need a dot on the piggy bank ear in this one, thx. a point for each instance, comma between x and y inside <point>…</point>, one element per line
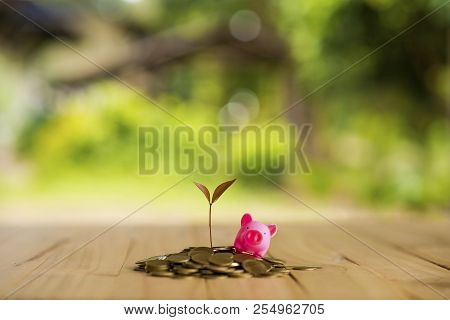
<point>246,218</point>
<point>272,229</point>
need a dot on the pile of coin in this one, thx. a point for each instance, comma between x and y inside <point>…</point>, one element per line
<point>214,263</point>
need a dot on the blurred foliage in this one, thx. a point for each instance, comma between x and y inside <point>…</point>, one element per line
<point>382,128</point>
<point>380,131</point>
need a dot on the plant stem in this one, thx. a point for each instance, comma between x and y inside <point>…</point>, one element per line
<point>210,232</point>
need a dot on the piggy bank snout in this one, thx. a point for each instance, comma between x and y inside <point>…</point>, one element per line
<point>253,237</point>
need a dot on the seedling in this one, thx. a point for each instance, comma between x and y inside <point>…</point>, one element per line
<point>221,188</point>
<point>238,260</point>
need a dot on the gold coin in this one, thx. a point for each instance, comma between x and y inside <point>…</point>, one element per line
<point>221,259</point>
<point>215,263</point>
<point>241,257</point>
<point>271,274</point>
<point>224,249</point>
<point>305,268</point>
<point>238,271</point>
<point>275,261</point>
<point>268,264</point>
<point>280,270</point>
<point>206,272</point>
<point>255,267</point>
<point>156,265</point>
<point>184,271</point>
<point>178,258</point>
<point>192,265</point>
<point>162,274</point>
<point>218,269</point>
<point>201,250</point>
<point>201,258</point>
<point>142,261</point>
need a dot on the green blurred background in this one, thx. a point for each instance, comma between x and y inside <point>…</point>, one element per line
<point>68,129</point>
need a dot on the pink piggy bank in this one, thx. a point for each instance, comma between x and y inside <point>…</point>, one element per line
<point>254,236</point>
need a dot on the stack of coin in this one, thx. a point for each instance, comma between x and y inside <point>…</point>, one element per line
<point>215,263</point>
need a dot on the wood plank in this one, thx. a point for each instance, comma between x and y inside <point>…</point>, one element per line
<point>340,277</point>
<point>398,267</point>
<point>26,254</point>
<point>430,242</point>
<point>103,269</point>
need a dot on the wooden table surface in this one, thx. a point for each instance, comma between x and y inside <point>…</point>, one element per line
<point>404,261</point>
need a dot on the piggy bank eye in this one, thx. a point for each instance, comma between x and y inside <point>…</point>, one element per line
<point>247,228</point>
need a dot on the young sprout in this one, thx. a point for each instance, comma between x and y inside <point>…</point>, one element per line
<point>221,188</point>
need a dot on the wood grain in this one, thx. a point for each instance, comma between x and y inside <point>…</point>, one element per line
<point>394,260</point>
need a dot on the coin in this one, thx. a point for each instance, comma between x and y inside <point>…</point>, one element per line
<point>280,270</point>
<point>201,250</point>
<point>218,269</point>
<point>268,264</point>
<point>206,272</point>
<point>224,249</point>
<point>215,263</point>
<point>142,261</point>
<point>255,267</point>
<point>271,274</point>
<point>192,265</point>
<point>238,271</point>
<point>274,261</point>
<point>305,268</point>
<point>241,257</point>
<point>221,259</point>
<point>156,265</point>
<point>182,270</point>
<point>201,258</point>
<point>178,258</point>
<point>162,274</point>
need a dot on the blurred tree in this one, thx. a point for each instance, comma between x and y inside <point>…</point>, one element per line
<point>381,130</point>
